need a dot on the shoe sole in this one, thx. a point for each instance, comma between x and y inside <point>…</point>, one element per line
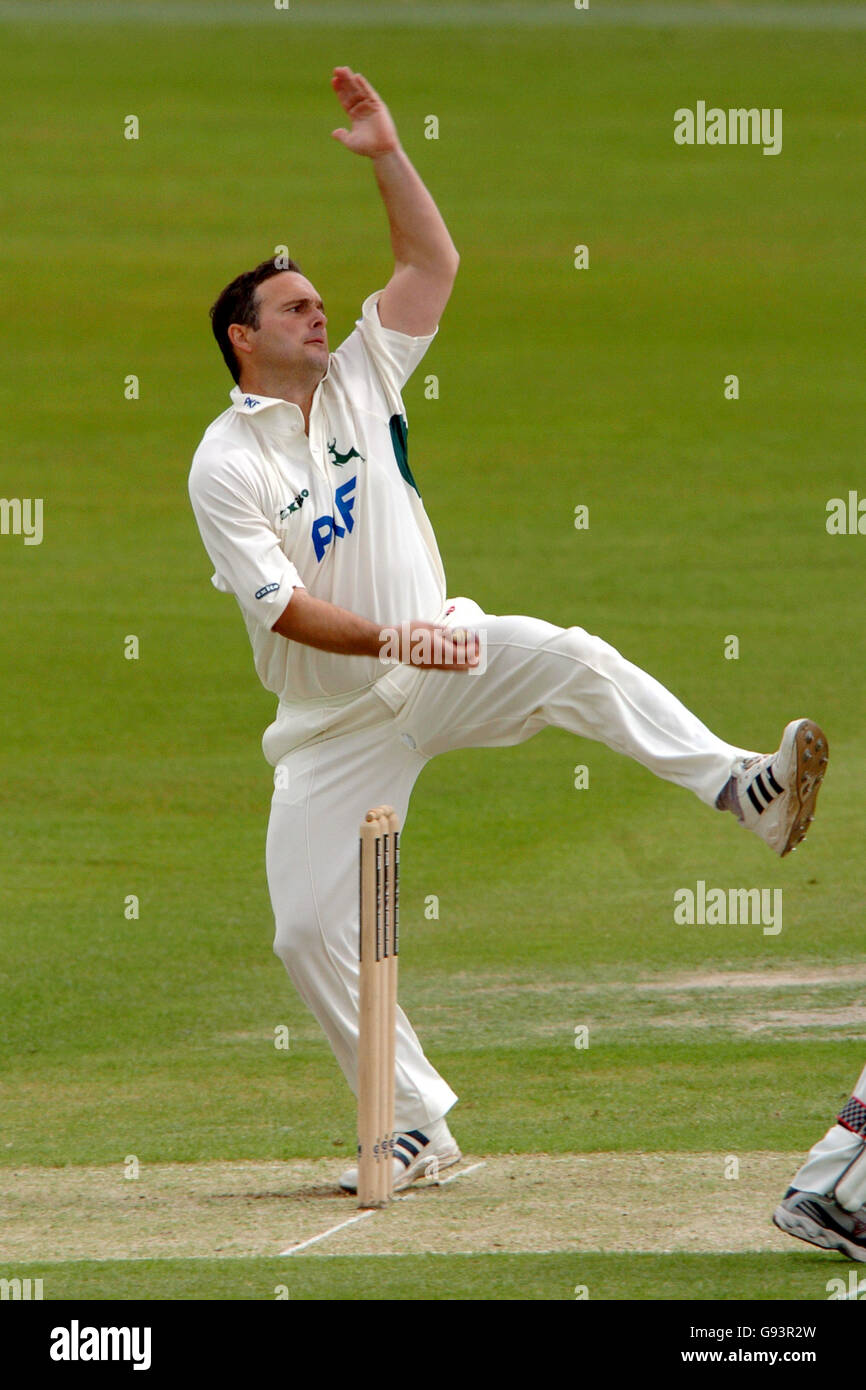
<point>796,1224</point>
<point>810,754</point>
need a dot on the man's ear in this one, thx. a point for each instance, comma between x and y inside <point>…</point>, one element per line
<point>238,334</point>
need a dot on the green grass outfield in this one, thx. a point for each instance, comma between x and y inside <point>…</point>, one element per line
<point>154,1037</point>
<point>589,1277</point>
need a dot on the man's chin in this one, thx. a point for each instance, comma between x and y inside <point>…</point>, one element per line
<point>320,356</point>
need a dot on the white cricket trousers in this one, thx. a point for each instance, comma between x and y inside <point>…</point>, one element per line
<point>371,751</point>
<point>829,1158</point>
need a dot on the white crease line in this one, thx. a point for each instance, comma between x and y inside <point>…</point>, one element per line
<point>463,1172</point>
<point>293,1249</point>
<point>373,1211</point>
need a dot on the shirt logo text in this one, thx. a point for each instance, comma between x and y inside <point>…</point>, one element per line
<point>326,528</point>
<point>294,506</point>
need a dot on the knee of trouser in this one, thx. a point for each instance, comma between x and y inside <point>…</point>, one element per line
<point>538,633</point>
<point>296,938</point>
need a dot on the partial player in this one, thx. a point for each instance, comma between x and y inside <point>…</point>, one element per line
<point>826,1202</point>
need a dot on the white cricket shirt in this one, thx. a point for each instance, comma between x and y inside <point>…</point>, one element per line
<point>336,513</point>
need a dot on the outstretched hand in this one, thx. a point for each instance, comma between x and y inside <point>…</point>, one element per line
<point>373,131</point>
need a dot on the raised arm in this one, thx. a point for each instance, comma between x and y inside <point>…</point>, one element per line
<point>425,258</point>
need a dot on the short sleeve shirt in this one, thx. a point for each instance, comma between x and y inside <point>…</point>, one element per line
<point>337,513</point>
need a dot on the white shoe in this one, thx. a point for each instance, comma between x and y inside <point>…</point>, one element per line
<point>775,795</point>
<point>417,1154</point>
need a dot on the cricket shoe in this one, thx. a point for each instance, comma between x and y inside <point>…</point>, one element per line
<point>417,1154</point>
<point>775,794</point>
<point>821,1221</point>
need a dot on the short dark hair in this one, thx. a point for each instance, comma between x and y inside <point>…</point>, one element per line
<point>238,304</point>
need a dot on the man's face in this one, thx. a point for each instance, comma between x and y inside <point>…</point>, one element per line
<point>292,334</point>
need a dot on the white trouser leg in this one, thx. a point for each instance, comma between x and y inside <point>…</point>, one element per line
<point>827,1161</point>
<point>829,1158</point>
<point>539,675</point>
<point>536,675</point>
<point>312,862</point>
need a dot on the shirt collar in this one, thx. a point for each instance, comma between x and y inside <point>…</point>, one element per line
<point>248,403</point>
<point>251,403</point>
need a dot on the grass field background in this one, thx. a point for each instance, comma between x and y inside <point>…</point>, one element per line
<point>154,1037</point>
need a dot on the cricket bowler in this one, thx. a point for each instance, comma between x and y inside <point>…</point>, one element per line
<point>312,518</point>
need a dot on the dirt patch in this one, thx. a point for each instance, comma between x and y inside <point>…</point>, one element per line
<point>796,977</point>
<point>786,1020</point>
<point>848,1023</point>
<point>615,1202</point>
<point>758,979</point>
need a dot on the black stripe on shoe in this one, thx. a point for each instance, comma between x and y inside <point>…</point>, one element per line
<point>767,795</point>
<point>750,793</point>
<point>761,786</point>
<point>403,1142</point>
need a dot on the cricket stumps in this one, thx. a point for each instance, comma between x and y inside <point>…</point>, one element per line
<point>378,945</point>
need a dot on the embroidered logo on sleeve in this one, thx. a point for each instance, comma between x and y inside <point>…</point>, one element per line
<point>268,589</point>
